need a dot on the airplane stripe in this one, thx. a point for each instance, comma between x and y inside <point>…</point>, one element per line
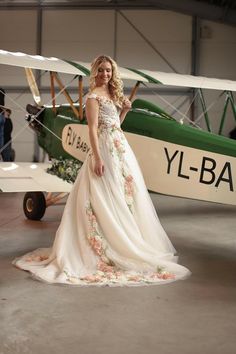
<point>78,66</point>
<point>150,79</point>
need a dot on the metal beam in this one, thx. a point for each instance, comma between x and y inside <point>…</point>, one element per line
<point>115,34</point>
<point>195,59</point>
<point>148,41</point>
<point>201,9</point>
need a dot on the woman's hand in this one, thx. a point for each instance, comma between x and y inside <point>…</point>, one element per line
<point>99,167</point>
<point>126,106</point>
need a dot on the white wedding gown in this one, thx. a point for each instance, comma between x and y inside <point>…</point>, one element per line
<point>110,233</point>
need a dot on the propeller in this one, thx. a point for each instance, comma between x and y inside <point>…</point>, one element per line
<point>33,86</point>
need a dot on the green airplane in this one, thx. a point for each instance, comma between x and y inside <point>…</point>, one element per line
<point>176,159</point>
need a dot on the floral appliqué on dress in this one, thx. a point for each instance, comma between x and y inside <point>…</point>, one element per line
<point>106,269</point>
<point>118,149</point>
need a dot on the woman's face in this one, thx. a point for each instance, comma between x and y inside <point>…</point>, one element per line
<point>104,73</point>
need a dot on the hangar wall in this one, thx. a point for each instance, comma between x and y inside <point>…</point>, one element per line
<point>83,34</point>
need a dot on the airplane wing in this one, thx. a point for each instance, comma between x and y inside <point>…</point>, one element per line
<point>26,177</point>
<point>182,80</point>
<point>38,62</point>
<point>125,73</point>
<point>58,65</point>
<point>83,69</point>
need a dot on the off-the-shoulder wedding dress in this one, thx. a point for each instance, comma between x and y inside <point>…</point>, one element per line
<point>110,233</point>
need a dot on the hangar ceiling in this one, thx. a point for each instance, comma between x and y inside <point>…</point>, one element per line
<point>223,11</point>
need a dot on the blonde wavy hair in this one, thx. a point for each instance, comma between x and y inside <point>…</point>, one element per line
<point>115,84</point>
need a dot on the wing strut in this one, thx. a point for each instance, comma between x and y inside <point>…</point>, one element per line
<point>66,94</point>
<point>53,92</point>
<point>33,85</point>
<point>134,90</point>
<point>80,97</point>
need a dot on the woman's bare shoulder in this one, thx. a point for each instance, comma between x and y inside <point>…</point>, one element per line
<point>92,98</point>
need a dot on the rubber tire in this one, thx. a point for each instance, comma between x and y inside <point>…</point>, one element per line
<point>34,205</point>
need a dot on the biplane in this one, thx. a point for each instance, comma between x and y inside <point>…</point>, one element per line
<point>177,159</point>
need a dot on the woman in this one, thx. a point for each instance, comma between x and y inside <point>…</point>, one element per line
<point>109,233</point>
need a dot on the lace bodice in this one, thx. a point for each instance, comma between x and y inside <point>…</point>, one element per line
<point>108,116</point>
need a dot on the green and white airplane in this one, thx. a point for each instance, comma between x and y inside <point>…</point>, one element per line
<point>176,159</point>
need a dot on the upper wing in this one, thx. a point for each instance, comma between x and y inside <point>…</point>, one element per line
<point>38,62</point>
<point>58,65</point>
<point>182,80</point>
<point>125,73</point>
<point>26,177</point>
<point>83,69</point>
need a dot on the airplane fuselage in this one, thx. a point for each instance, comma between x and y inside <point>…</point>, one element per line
<point>176,159</point>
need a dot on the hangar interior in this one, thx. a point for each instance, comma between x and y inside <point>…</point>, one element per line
<point>189,317</point>
<point>196,38</point>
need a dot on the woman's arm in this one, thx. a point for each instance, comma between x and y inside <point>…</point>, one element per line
<point>92,109</point>
<point>125,109</point>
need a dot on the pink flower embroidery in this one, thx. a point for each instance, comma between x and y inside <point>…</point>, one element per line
<point>117,143</point>
<point>118,147</point>
<point>95,238</point>
<point>96,244</point>
<point>103,267</point>
<point>129,185</point>
<point>134,277</point>
<point>36,258</point>
<point>106,271</point>
<point>128,188</point>
<point>129,179</point>
<point>164,276</point>
<point>93,278</point>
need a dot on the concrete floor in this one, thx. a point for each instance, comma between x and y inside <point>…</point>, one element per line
<point>197,315</point>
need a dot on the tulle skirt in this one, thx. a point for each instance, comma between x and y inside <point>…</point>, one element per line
<point>110,233</point>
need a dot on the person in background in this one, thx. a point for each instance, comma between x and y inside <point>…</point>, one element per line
<point>2,121</point>
<point>7,152</point>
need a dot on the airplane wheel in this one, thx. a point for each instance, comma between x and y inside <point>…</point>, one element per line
<point>34,205</point>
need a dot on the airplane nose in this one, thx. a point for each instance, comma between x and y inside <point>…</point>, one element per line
<point>34,117</point>
<point>32,109</point>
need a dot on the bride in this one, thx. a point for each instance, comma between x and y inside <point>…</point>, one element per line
<point>110,233</point>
